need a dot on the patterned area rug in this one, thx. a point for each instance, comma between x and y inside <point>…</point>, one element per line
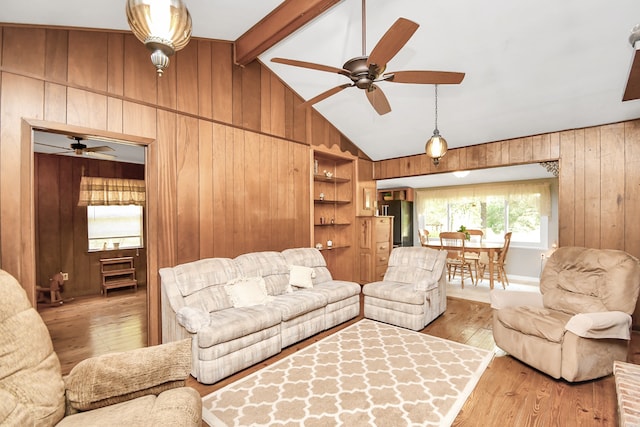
<point>368,374</point>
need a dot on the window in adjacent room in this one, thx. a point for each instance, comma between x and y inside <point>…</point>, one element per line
<point>113,227</point>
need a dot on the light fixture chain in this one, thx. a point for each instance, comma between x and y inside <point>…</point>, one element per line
<point>436,90</point>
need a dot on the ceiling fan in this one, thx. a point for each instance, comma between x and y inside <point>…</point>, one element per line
<point>365,71</point>
<point>79,148</point>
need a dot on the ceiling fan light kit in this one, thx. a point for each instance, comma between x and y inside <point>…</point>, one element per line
<point>164,26</point>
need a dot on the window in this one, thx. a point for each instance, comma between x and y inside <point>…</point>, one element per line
<point>112,227</point>
<point>522,208</point>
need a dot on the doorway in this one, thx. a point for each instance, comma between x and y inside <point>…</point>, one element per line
<point>61,240</point>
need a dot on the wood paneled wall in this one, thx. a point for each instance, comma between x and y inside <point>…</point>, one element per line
<point>227,149</point>
<point>61,225</point>
<point>599,180</point>
<point>510,152</point>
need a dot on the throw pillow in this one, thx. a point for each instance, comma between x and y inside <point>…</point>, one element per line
<point>246,292</point>
<point>301,276</point>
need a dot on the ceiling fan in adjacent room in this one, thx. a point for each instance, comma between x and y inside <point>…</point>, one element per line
<point>80,148</point>
<point>365,71</point>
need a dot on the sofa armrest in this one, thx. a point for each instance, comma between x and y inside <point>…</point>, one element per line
<point>192,319</point>
<point>118,377</point>
<point>606,324</point>
<point>502,299</point>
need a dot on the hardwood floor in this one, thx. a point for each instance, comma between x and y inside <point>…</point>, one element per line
<point>92,326</point>
<point>509,393</point>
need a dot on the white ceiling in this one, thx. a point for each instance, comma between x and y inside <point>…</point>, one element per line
<point>531,67</point>
<point>54,143</point>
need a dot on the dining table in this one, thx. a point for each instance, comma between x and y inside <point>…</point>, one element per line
<point>492,249</point>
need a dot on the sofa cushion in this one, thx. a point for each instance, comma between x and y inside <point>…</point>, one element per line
<point>337,290</point>
<point>298,303</point>
<point>419,266</point>
<point>269,265</point>
<point>582,280</point>
<point>201,283</point>
<point>394,291</point>
<point>233,323</point>
<point>197,275</point>
<point>309,257</point>
<point>117,377</point>
<point>538,322</point>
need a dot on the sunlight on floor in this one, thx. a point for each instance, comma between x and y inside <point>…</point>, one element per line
<point>480,292</point>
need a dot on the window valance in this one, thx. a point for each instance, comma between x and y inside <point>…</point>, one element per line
<point>508,190</point>
<point>111,191</point>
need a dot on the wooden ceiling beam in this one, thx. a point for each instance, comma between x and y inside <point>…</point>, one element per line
<point>282,21</point>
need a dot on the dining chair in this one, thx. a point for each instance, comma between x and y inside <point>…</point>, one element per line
<point>499,262</point>
<point>475,236</point>
<point>424,236</point>
<point>456,257</point>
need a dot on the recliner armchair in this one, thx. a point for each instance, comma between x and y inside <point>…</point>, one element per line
<point>413,291</point>
<point>580,322</point>
<point>143,387</point>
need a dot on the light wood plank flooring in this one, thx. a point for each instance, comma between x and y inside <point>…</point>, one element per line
<point>91,326</point>
<point>509,393</point>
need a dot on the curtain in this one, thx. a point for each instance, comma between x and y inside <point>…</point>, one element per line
<point>111,191</point>
<point>509,190</point>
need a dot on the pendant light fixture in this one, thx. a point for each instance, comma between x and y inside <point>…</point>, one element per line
<point>436,146</point>
<point>164,26</point>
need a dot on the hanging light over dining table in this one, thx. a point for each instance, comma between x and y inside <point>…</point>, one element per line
<point>436,146</point>
<point>164,26</point>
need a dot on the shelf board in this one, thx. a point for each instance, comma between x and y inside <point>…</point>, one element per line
<point>332,202</point>
<point>334,247</point>
<point>332,179</point>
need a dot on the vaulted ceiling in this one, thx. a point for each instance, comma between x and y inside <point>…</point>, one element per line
<point>531,67</point>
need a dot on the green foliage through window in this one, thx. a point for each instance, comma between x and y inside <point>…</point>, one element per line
<point>494,209</point>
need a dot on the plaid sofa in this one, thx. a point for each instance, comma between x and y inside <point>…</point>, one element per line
<point>227,337</point>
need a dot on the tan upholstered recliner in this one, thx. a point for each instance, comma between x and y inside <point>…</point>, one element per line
<point>581,320</point>
<point>143,387</point>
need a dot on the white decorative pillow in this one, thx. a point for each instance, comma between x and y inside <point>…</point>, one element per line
<point>301,276</point>
<point>246,292</point>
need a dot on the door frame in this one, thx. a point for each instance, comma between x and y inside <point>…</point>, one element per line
<point>27,169</point>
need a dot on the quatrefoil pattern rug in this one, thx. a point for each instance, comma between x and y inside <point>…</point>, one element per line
<point>368,374</point>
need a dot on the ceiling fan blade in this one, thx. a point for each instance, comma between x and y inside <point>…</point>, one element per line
<point>100,148</point>
<point>52,146</point>
<point>99,155</point>
<point>325,95</point>
<point>378,100</point>
<point>392,41</point>
<point>632,90</point>
<point>311,65</point>
<point>424,77</point>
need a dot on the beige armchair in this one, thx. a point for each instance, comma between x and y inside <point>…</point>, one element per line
<point>580,322</point>
<point>143,387</point>
<point>413,291</point>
